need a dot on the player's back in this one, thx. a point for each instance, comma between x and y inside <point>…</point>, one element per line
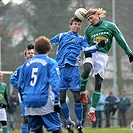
<point>35,78</point>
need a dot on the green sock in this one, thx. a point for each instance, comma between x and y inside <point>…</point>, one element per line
<point>5,129</point>
<point>83,83</point>
<point>95,98</point>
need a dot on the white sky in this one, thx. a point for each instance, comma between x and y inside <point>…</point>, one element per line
<point>15,1</point>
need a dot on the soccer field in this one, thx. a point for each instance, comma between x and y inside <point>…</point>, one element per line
<point>89,130</point>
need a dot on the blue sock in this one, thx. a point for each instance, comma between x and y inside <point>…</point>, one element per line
<point>65,110</point>
<point>24,128</point>
<point>78,108</point>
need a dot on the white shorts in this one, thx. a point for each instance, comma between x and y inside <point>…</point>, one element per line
<point>99,63</point>
<point>3,116</point>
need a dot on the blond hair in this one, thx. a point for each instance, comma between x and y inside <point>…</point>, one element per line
<point>99,11</point>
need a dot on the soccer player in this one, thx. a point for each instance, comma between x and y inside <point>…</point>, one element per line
<point>99,30</point>
<point>28,53</point>
<point>39,89</point>
<point>70,45</point>
<point>3,104</point>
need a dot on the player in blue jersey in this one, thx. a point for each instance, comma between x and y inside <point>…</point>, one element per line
<point>28,53</point>
<point>38,84</point>
<point>70,45</point>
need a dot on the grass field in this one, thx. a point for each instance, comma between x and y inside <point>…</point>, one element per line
<point>89,130</point>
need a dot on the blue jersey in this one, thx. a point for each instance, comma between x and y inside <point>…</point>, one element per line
<point>14,81</point>
<point>14,78</point>
<point>39,84</point>
<point>70,46</point>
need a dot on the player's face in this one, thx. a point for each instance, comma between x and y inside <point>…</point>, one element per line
<point>29,54</point>
<point>1,77</point>
<point>93,19</point>
<point>75,26</point>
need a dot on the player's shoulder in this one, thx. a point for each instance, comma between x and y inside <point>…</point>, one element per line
<point>80,36</point>
<point>4,84</point>
<point>19,67</point>
<point>52,61</point>
<point>109,23</point>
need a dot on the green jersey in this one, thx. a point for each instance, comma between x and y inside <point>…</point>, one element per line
<point>106,30</point>
<point>3,93</point>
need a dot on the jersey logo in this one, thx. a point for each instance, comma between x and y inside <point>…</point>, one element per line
<point>99,38</point>
<point>1,96</point>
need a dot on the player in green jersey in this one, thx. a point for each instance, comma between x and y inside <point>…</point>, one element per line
<point>3,104</point>
<point>99,30</point>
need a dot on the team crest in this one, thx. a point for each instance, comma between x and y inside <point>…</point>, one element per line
<point>99,38</point>
<point>1,96</point>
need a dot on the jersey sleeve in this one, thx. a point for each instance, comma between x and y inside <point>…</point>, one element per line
<point>14,78</point>
<point>55,40</point>
<point>86,48</point>
<point>120,39</point>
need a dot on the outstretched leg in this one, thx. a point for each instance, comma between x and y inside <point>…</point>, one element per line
<point>95,97</point>
<point>84,80</point>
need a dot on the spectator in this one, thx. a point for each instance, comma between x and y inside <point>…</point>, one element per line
<point>123,106</point>
<point>110,107</point>
<point>13,102</point>
<point>98,112</point>
<point>3,104</point>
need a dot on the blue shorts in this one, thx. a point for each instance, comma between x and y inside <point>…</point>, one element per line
<point>70,78</point>
<point>51,122</point>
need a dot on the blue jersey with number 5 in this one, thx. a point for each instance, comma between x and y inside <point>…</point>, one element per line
<point>39,78</point>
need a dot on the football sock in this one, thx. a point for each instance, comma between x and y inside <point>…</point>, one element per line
<point>78,108</point>
<point>65,110</point>
<point>83,83</point>
<point>25,128</point>
<point>5,129</point>
<point>95,98</point>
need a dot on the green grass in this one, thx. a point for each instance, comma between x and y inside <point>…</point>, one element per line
<point>96,130</point>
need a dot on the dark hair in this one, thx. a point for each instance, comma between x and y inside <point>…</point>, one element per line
<point>42,45</point>
<point>74,19</point>
<point>30,46</point>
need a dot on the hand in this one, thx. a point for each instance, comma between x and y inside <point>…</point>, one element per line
<point>3,105</point>
<point>101,43</point>
<point>57,107</point>
<point>130,56</point>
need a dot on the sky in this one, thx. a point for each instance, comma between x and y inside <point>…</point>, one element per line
<point>14,1</point>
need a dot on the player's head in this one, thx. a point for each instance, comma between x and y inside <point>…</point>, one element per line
<point>42,45</point>
<point>75,24</point>
<point>94,15</point>
<point>29,51</point>
<point>1,76</point>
